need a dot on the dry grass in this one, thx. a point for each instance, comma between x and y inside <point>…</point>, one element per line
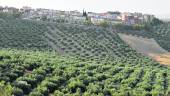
<point>162,58</point>
<point>147,47</point>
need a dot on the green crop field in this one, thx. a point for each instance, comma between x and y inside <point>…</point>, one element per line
<point>60,59</point>
<point>45,73</point>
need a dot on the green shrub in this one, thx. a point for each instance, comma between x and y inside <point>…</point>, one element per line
<point>58,93</point>
<point>5,89</point>
<point>23,85</point>
<point>75,84</point>
<point>43,90</point>
<point>94,88</point>
<point>36,94</point>
<point>17,92</point>
<point>51,86</point>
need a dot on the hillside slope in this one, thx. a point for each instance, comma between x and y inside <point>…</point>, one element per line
<point>148,47</point>
<point>84,41</point>
<point>81,60</point>
<point>161,33</point>
<point>143,45</point>
<point>22,34</point>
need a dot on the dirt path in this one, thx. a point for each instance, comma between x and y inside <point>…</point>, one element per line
<point>147,47</point>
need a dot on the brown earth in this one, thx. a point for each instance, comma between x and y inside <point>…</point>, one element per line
<point>147,46</point>
<point>162,58</point>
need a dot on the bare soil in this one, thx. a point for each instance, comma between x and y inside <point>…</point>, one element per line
<point>147,46</point>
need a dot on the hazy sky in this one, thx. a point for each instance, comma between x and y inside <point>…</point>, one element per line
<point>159,8</point>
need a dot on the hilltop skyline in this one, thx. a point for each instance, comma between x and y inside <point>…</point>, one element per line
<point>158,8</point>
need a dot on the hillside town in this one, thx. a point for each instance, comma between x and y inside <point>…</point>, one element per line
<point>75,16</point>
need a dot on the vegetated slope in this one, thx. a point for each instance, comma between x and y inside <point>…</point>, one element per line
<point>148,47</point>
<point>87,41</point>
<point>22,34</point>
<point>45,73</point>
<point>161,33</point>
<point>101,62</point>
<point>84,41</point>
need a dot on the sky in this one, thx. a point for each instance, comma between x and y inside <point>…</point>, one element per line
<point>159,8</point>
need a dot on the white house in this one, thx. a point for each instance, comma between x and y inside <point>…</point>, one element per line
<point>96,21</point>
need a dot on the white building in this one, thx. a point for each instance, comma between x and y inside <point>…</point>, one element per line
<point>97,21</point>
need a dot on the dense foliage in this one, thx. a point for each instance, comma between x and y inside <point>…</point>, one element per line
<point>5,89</point>
<point>21,34</point>
<point>46,73</point>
